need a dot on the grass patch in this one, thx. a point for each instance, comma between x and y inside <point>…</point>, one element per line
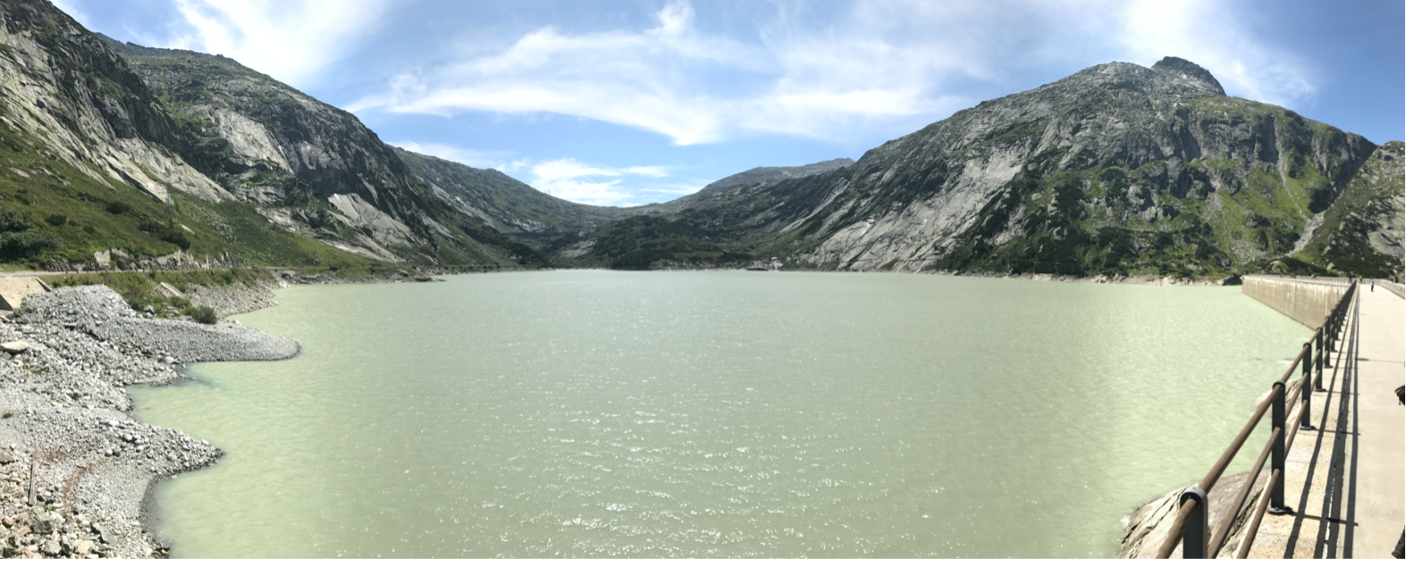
<point>139,288</point>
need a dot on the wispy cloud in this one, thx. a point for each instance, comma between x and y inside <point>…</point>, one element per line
<point>568,178</point>
<point>290,40</point>
<point>674,80</point>
<point>584,183</point>
<point>877,64</point>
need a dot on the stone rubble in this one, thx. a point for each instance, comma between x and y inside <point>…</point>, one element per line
<point>64,416</point>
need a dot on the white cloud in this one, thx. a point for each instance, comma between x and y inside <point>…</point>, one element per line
<point>1208,33</point>
<point>290,40</point>
<point>653,79</point>
<point>879,65</point>
<point>566,178</point>
<point>584,183</point>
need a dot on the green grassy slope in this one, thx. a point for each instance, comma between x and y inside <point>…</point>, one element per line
<point>86,216</point>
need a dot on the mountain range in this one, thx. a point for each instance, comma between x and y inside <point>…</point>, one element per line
<point>1117,169</point>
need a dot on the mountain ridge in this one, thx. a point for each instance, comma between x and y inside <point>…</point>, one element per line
<point>1115,169</point>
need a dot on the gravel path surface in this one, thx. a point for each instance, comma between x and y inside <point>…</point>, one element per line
<point>64,416</point>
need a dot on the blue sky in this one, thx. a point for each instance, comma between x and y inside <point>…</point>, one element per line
<point>635,101</point>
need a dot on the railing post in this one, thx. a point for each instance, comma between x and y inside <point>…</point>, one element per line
<point>1334,327</point>
<point>1278,448</point>
<point>1195,530</point>
<point>1305,387</point>
<point>1321,358</point>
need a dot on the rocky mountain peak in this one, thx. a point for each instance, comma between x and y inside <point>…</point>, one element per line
<point>1185,70</point>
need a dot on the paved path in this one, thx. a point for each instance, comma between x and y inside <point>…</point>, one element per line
<point>1345,478</point>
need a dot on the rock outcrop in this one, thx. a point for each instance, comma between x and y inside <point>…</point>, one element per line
<point>1363,232</point>
<point>83,105</point>
<point>1117,169</point>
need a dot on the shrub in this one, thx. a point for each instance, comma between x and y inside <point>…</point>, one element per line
<point>13,220</point>
<point>118,208</point>
<point>57,219</point>
<point>172,235</point>
<point>203,315</point>
<point>180,302</point>
<point>18,246</point>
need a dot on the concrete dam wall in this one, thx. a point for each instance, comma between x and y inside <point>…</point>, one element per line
<point>1307,300</point>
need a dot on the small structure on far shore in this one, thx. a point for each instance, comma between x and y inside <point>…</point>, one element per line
<point>772,265</point>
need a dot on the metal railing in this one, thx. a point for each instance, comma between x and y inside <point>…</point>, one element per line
<point>1190,525</point>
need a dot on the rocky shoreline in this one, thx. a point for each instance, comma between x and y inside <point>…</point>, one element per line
<point>65,416</point>
<point>76,470</point>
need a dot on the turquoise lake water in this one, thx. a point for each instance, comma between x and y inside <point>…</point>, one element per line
<point>713,414</point>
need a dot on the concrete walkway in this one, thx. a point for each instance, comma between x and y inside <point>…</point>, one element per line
<point>1345,478</point>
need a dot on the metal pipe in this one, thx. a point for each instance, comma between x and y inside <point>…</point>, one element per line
<point>1278,448</point>
<point>1320,356</point>
<point>1322,341</point>
<point>1195,530</point>
<point>1295,394</point>
<point>1231,515</point>
<point>1260,511</point>
<point>1305,390</point>
<point>1175,531</point>
<point>1291,436</point>
<point>1294,364</point>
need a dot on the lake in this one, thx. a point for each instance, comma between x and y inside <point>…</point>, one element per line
<point>713,414</point>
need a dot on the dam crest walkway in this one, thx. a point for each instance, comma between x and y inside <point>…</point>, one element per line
<point>1345,478</point>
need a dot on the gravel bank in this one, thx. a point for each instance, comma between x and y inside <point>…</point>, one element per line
<point>64,414</point>
<point>100,312</point>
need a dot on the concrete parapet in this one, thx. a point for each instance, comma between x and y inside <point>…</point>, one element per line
<point>14,290</point>
<point>1394,288</point>
<point>1307,300</point>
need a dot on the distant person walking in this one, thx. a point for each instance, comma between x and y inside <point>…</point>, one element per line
<point>1371,285</point>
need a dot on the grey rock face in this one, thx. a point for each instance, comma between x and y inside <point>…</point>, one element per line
<point>1363,232</point>
<point>333,178</point>
<point>1117,169</point>
<point>1193,73</point>
<point>272,144</point>
<point>82,102</point>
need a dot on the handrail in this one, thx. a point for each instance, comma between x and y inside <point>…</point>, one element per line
<point>1312,360</point>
